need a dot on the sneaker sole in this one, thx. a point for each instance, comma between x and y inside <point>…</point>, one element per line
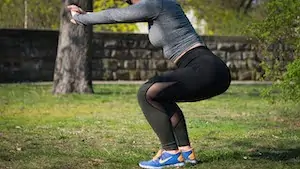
<point>166,166</point>
<point>191,161</point>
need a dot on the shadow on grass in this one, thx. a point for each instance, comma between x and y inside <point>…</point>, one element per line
<point>114,93</point>
<point>267,153</point>
<point>277,154</point>
<point>241,94</point>
<point>246,150</point>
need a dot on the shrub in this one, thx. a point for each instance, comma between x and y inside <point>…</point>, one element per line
<point>279,42</point>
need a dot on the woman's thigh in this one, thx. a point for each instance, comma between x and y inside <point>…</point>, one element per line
<point>186,84</point>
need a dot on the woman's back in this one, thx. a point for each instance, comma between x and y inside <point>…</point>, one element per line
<point>171,29</point>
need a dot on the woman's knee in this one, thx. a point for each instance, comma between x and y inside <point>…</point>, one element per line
<point>142,92</point>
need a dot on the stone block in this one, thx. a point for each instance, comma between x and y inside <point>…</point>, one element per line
<point>221,54</point>
<point>161,65</point>
<point>142,64</point>
<point>234,75</point>
<point>97,75</point>
<point>111,64</point>
<point>46,75</point>
<point>160,72</point>
<point>229,47</point>
<point>170,65</point>
<point>111,43</point>
<point>240,64</point>
<point>101,53</point>
<point>258,75</point>
<point>107,75</point>
<point>245,75</point>
<point>231,65</point>
<point>136,43</point>
<point>32,65</point>
<point>50,56</point>
<point>234,56</point>
<point>129,64</point>
<point>129,43</point>
<point>122,74</point>
<point>97,43</point>
<point>121,54</point>
<point>144,44</point>
<point>157,64</point>
<point>49,66</point>
<point>242,46</point>
<point>114,75</point>
<point>276,47</point>
<point>107,53</point>
<point>13,64</point>
<point>248,55</point>
<point>147,74</point>
<point>134,75</point>
<point>33,75</point>
<point>13,52</point>
<point>96,64</point>
<point>140,53</point>
<point>212,45</point>
<point>157,54</point>
<point>252,64</point>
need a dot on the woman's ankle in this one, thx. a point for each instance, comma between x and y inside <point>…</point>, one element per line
<point>185,148</point>
<point>172,151</point>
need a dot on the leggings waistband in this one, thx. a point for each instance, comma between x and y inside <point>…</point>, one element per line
<point>189,56</point>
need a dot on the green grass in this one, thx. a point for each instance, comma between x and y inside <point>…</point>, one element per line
<point>238,129</point>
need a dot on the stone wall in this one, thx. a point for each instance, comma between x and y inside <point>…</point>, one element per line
<point>29,55</point>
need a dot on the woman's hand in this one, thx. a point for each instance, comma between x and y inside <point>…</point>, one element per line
<point>74,9</point>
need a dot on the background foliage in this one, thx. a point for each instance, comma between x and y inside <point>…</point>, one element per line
<point>45,14</point>
<point>41,14</point>
<point>278,35</point>
<point>104,4</point>
<point>224,17</point>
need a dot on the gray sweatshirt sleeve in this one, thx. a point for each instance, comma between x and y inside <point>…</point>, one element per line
<point>139,12</point>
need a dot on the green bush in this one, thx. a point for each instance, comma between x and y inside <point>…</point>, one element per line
<point>290,85</point>
<point>278,36</point>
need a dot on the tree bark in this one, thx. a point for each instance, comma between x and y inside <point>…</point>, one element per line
<point>72,72</point>
<point>248,6</point>
<point>245,5</point>
<point>241,5</point>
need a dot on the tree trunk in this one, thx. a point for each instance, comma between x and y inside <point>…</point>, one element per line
<point>242,4</point>
<point>248,6</point>
<point>25,14</point>
<point>245,5</point>
<point>73,62</point>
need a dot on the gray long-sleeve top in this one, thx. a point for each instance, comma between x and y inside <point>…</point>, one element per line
<point>169,27</point>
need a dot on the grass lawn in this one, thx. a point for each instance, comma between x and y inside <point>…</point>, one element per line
<point>238,129</point>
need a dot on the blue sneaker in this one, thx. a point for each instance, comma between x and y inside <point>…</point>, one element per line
<point>163,159</point>
<point>189,156</point>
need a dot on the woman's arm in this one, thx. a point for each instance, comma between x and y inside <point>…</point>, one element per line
<point>139,12</point>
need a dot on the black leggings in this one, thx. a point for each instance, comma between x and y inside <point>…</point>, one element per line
<point>200,75</point>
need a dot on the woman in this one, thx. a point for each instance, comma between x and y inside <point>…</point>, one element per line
<point>199,74</point>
